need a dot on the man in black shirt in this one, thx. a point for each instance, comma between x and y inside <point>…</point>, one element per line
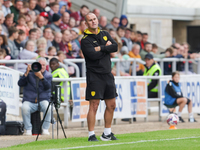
<point>97,46</point>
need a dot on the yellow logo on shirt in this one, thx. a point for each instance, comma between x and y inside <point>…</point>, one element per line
<point>105,38</point>
<point>93,93</point>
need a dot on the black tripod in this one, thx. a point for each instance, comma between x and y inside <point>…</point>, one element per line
<point>55,101</point>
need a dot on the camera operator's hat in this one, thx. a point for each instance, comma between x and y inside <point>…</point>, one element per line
<point>148,56</point>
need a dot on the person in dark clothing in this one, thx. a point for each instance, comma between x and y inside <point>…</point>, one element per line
<point>152,69</point>
<point>97,46</point>
<point>174,96</point>
<point>18,41</point>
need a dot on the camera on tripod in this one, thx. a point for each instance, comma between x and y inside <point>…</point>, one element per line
<point>36,67</point>
<point>56,96</point>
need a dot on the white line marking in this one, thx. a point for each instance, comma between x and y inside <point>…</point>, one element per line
<point>142,141</point>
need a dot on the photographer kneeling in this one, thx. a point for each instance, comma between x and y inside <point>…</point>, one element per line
<point>30,102</point>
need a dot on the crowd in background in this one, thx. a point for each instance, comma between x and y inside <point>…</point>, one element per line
<point>50,28</point>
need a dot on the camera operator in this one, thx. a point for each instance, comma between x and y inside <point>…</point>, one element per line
<point>30,101</point>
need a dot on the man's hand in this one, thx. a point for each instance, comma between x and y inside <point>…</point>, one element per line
<point>108,43</point>
<point>39,75</point>
<point>98,48</point>
<point>27,70</point>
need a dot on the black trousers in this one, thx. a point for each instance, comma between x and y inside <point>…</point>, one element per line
<point>152,94</point>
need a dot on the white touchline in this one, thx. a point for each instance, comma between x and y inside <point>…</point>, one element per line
<point>142,141</point>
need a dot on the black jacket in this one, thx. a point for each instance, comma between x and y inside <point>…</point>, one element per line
<point>97,62</point>
<point>170,90</point>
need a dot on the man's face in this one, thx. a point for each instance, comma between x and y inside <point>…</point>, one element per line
<point>148,47</point>
<point>66,36</point>
<point>42,4</point>
<point>176,78</point>
<point>145,38</point>
<point>82,26</point>
<point>103,21</point>
<point>43,64</point>
<point>92,21</point>
<point>113,34</point>
<point>136,50</point>
<point>16,34</point>
<point>115,22</point>
<point>84,11</point>
<point>149,62</point>
<point>121,33</point>
<point>97,12</point>
<point>65,18</point>
<point>7,4</point>
<point>54,65</point>
<point>55,8</point>
<point>58,37</point>
<point>40,21</point>
<point>9,22</point>
<point>22,37</point>
<point>33,36</point>
<point>127,34</point>
<point>32,4</point>
<point>19,5</point>
<point>139,37</point>
<point>74,35</point>
<point>47,33</point>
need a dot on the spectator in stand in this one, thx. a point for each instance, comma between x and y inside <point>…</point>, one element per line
<point>133,37</point>
<point>54,10</point>
<point>62,8</point>
<point>154,48</point>
<point>57,40</point>
<point>152,69</point>
<point>7,23</point>
<point>47,33</point>
<point>168,65</point>
<point>124,65</point>
<point>126,39</point>
<point>72,22</point>
<point>3,56</point>
<point>6,7</point>
<point>65,21</point>
<point>75,43</point>
<point>103,22</point>
<point>32,4</point>
<point>32,36</point>
<point>56,21</point>
<point>27,53</point>
<point>114,24</point>
<point>2,19</point>
<point>30,24</point>
<point>18,42</point>
<point>139,39</point>
<point>123,21</point>
<point>82,28</point>
<point>52,51</point>
<point>24,10</point>
<point>121,31</point>
<point>41,5</point>
<point>148,49</point>
<point>16,8</point>
<point>96,11</point>
<point>79,15</point>
<point>40,22</point>
<point>134,53</point>
<point>22,24</point>
<point>46,18</point>
<point>39,33</point>
<point>61,56</point>
<point>4,44</point>
<point>42,44</point>
<point>30,102</point>
<point>65,44</point>
<point>117,39</point>
<point>144,39</point>
<point>13,35</point>
<point>32,15</point>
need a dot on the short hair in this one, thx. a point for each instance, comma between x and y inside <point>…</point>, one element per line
<point>9,16</point>
<point>174,73</point>
<point>28,42</point>
<point>2,52</point>
<point>120,27</point>
<point>170,50</point>
<point>21,32</point>
<point>5,41</point>
<point>60,52</point>
<point>54,60</point>
<point>12,30</point>
<point>129,29</point>
<point>144,33</point>
<point>63,31</point>
<point>111,30</point>
<point>114,18</point>
<point>138,32</point>
<point>147,43</point>
<point>53,4</point>
<point>84,6</point>
<point>40,50</point>
<point>32,30</point>
<point>154,45</point>
<point>41,58</point>
<point>46,28</point>
<point>50,48</point>
<point>21,16</point>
